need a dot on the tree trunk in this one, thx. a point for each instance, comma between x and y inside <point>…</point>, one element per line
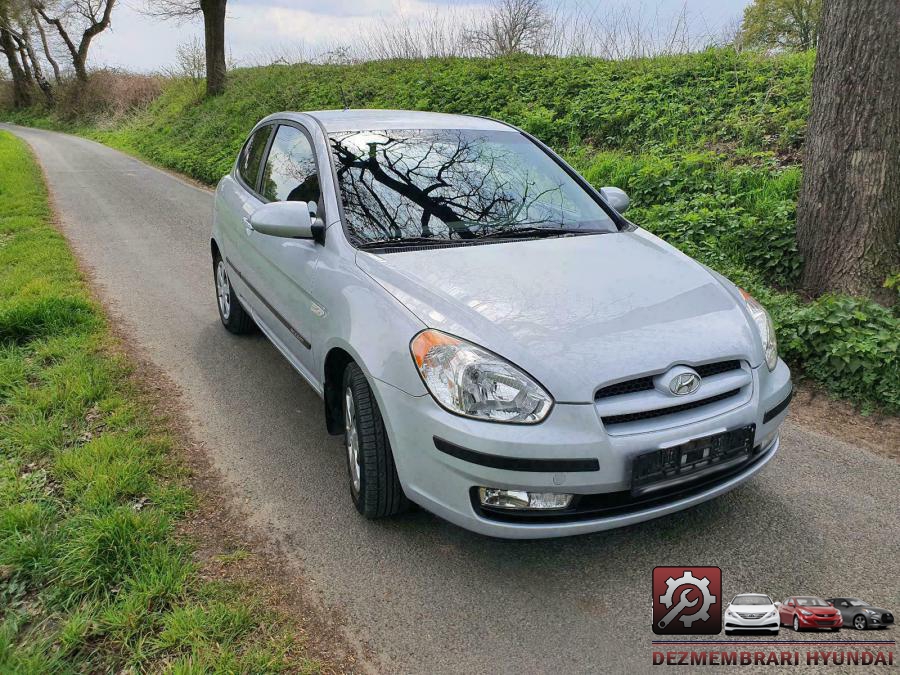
<point>214,40</point>
<point>36,69</point>
<point>848,219</point>
<point>49,56</point>
<point>21,90</point>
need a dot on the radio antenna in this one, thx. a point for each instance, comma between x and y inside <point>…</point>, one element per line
<point>344,98</point>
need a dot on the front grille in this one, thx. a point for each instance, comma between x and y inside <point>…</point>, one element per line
<point>646,383</point>
<point>887,617</point>
<point>650,414</point>
<point>628,387</point>
<point>749,616</point>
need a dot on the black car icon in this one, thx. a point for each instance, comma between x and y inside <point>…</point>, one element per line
<point>860,614</point>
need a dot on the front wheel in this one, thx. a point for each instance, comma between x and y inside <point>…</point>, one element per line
<point>374,486</point>
<point>234,317</point>
<point>796,624</point>
<point>859,622</point>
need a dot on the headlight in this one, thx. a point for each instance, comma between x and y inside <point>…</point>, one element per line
<point>468,380</point>
<point>872,612</point>
<point>805,612</point>
<point>770,614</point>
<point>766,328</point>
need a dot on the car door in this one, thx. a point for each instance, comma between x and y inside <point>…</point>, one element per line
<point>786,611</point>
<point>237,198</point>
<point>285,269</point>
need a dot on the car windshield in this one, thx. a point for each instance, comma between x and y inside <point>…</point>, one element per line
<point>857,603</point>
<point>752,600</point>
<point>811,602</point>
<point>441,185</point>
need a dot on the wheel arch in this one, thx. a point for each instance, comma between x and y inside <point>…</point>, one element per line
<point>336,361</point>
<point>214,248</point>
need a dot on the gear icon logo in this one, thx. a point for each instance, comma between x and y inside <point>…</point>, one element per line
<point>687,600</point>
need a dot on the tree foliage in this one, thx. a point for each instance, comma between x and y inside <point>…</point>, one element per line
<point>791,25</point>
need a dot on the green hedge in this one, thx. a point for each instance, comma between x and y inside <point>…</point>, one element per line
<point>707,145</point>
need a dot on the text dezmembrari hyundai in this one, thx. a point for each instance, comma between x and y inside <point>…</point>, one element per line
<point>495,341</point>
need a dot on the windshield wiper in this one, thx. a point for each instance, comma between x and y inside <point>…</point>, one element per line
<point>406,241</point>
<point>524,232</point>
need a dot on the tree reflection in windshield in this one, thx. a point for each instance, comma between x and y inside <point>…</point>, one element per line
<point>455,185</point>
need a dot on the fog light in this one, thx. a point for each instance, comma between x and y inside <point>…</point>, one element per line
<point>520,499</point>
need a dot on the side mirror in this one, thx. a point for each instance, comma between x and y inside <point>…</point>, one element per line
<point>778,604</point>
<point>616,198</point>
<point>287,219</point>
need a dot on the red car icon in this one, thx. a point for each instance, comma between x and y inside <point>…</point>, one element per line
<point>806,612</point>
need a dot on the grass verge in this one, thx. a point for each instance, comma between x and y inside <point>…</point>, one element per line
<point>94,576</point>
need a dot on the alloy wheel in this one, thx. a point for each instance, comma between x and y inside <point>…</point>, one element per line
<point>859,623</point>
<point>352,440</point>
<point>223,290</point>
<point>796,624</point>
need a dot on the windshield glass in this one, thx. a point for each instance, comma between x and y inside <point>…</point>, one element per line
<point>752,600</point>
<point>857,603</point>
<point>811,602</point>
<point>455,184</point>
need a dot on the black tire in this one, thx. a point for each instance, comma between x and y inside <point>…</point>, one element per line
<point>835,629</point>
<point>379,493</point>
<point>729,632</point>
<point>233,315</point>
<point>856,622</point>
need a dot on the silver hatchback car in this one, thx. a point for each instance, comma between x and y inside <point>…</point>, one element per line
<point>495,341</point>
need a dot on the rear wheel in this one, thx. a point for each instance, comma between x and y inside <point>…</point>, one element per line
<point>232,314</point>
<point>374,486</point>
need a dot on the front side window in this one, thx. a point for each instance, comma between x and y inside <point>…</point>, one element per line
<point>290,174</point>
<point>251,156</point>
<point>454,185</point>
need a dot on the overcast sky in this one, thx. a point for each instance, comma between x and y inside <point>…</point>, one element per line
<point>257,27</point>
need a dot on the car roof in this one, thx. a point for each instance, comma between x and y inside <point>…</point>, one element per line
<point>370,120</point>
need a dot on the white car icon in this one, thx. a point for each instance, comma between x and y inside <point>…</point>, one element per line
<point>751,611</point>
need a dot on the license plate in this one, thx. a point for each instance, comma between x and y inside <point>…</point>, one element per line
<point>680,463</point>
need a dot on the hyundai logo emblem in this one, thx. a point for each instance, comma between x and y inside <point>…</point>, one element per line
<point>684,384</point>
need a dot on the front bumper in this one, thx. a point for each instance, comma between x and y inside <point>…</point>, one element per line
<point>737,622</point>
<point>810,622</point>
<point>510,456</point>
<point>879,620</point>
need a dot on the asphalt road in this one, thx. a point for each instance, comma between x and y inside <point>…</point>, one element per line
<point>823,518</point>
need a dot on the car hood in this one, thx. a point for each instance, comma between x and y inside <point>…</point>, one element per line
<point>575,312</point>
